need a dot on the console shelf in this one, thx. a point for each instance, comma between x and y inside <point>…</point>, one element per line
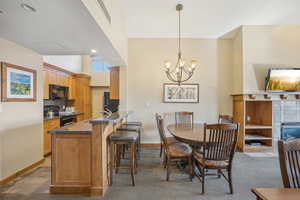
<point>254,114</point>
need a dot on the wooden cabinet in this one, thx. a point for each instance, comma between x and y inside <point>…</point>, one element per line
<point>72,88</point>
<point>46,83</point>
<point>49,125</point>
<point>255,119</point>
<point>83,102</point>
<point>114,82</point>
<point>58,76</point>
<point>79,118</point>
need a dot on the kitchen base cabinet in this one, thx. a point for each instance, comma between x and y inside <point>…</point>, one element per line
<point>49,125</point>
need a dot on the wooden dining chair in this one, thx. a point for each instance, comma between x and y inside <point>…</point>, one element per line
<point>217,152</point>
<point>289,158</point>
<point>173,151</point>
<point>184,117</point>
<point>225,119</point>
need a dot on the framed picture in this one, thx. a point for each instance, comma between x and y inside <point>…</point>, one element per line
<point>185,93</point>
<point>18,83</point>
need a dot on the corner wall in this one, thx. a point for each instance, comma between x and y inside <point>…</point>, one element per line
<point>266,47</point>
<point>146,77</point>
<point>21,123</point>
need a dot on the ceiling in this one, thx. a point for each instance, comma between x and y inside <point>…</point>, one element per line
<point>206,18</point>
<point>58,27</point>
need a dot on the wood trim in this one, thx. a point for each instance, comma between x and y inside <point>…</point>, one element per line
<point>21,172</point>
<point>66,189</point>
<point>56,68</point>
<point>4,97</point>
<point>82,76</point>
<point>147,145</point>
<point>100,87</point>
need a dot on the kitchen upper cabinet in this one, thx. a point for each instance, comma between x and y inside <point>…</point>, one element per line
<point>46,83</point>
<point>72,88</point>
<point>83,102</point>
<point>53,79</point>
<point>114,82</point>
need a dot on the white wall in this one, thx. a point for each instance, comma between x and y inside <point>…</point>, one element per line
<point>97,78</point>
<point>225,75</point>
<point>265,47</point>
<point>116,31</point>
<point>146,77</point>
<point>71,62</point>
<point>238,69</point>
<point>21,123</point>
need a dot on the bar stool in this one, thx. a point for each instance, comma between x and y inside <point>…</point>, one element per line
<point>117,140</point>
<point>133,127</point>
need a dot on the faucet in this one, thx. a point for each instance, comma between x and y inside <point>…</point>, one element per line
<point>107,112</point>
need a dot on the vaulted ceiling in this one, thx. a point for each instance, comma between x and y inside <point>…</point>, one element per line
<point>206,18</point>
<point>57,27</point>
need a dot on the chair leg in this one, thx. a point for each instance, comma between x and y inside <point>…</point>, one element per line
<point>132,160</point>
<point>165,161</point>
<point>112,162</point>
<point>191,168</point>
<point>136,160</point>
<point>168,167</point>
<point>118,158</point>
<point>203,179</point>
<point>161,149</point>
<point>219,173</point>
<point>230,180</point>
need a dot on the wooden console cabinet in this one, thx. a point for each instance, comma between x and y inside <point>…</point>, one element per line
<point>254,113</point>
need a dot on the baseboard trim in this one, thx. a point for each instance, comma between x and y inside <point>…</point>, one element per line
<point>77,189</point>
<point>20,172</point>
<point>145,145</point>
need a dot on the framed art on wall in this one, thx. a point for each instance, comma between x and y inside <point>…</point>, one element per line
<point>184,93</point>
<point>18,84</point>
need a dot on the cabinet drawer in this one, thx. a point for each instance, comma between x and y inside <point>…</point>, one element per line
<point>52,124</point>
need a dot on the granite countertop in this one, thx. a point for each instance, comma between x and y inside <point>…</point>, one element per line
<point>82,127</point>
<point>58,117</point>
<point>85,127</point>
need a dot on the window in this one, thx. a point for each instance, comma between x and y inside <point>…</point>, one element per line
<point>99,65</point>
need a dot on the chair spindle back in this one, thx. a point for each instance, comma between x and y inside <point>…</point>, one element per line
<point>220,141</point>
<point>289,158</point>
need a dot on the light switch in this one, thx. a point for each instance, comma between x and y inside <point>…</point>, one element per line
<point>147,104</point>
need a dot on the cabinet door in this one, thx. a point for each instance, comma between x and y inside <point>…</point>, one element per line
<point>79,118</point>
<point>46,84</point>
<point>114,82</point>
<point>52,78</point>
<point>60,79</point>
<point>49,125</point>
<point>65,80</point>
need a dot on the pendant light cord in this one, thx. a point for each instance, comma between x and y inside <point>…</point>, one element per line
<point>179,35</point>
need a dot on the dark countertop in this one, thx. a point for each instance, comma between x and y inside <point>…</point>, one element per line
<point>85,127</point>
<point>82,127</point>
<point>58,117</point>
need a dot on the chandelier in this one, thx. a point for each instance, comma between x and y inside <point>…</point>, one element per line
<point>183,70</point>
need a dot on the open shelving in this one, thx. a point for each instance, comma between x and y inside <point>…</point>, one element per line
<point>255,117</point>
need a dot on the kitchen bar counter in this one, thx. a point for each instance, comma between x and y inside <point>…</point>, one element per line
<point>82,127</point>
<point>80,156</point>
<point>58,117</point>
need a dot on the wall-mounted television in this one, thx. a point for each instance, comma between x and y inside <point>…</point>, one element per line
<point>283,79</point>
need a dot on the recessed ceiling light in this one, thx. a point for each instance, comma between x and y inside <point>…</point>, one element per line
<point>28,7</point>
<point>93,50</point>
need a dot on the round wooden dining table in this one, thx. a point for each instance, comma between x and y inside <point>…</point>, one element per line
<point>190,134</point>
